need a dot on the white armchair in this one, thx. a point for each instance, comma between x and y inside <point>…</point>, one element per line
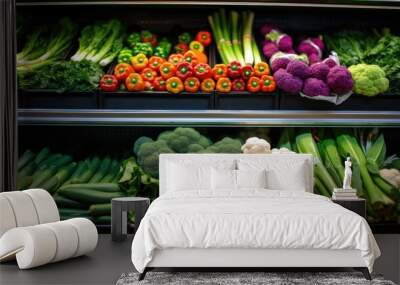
<point>31,230</point>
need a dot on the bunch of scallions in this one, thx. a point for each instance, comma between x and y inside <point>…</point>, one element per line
<point>234,38</point>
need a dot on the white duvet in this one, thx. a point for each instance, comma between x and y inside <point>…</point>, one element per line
<point>250,219</point>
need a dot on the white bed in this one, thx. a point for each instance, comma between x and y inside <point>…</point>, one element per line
<point>210,226</point>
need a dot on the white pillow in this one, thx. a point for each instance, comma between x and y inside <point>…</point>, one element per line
<point>184,178</point>
<point>223,179</point>
<point>282,173</point>
<point>251,178</point>
<point>292,180</point>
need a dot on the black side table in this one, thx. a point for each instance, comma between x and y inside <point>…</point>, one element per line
<point>357,205</point>
<point>119,214</point>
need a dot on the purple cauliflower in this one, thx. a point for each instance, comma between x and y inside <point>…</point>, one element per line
<point>339,80</point>
<point>314,58</point>
<point>331,61</point>
<point>319,70</point>
<point>287,82</point>
<point>266,29</point>
<point>299,69</point>
<point>284,42</point>
<point>311,46</point>
<point>315,87</point>
<point>269,48</point>
<point>278,63</point>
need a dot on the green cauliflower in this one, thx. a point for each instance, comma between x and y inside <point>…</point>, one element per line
<point>226,145</point>
<point>148,154</point>
<point>369,79</point>
<point>184,140</point>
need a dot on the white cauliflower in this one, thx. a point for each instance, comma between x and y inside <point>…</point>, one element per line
<point>281,150</point>
<point>256,145</point>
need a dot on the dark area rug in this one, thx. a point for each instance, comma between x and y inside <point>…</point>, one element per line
<point>244,278</point>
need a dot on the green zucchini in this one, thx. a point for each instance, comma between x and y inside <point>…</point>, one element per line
<point>28,170</point>
<point>63,202</point>
<point>102,187</point>
<point>46,164</point>
<point>47,173</point>
<point>24,182</point>
<point>78,171</point>
<point>67,213</point>
<point>102,220</point>
<point>93,165</point>
<point>89,196</point>
<point>26,157</point>
<point>102,171</point>
<point>59,178</point>
<point>100,209</point>
<point>114,168</point>
<point>42,155</point>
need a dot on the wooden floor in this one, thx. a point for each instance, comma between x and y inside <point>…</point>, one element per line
<point>103,266</point>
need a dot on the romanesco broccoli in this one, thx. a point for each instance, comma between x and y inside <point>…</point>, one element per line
<point>369,79</point>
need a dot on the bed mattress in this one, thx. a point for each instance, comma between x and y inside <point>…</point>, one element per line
<point>251,219</point>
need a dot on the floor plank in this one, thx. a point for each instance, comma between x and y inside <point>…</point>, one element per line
<point>103,266</point>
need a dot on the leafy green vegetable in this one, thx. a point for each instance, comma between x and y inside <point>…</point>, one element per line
<point>64,76</point>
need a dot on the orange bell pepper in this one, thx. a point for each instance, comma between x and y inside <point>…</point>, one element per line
<point>155,62</point>
<point>207,85</point>
<point>191,57</point>
<point>174,85</point>
<point>224,85</point>
<point>176,58</point>
<point>261,69</point>
<point>167,70</point>
<point>268,83</point>
<point>192,84</point>
<point>134,82</point>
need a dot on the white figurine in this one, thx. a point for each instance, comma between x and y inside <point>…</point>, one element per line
<point>347,174</point>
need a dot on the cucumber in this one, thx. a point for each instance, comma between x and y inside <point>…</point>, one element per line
<point>59,178</point>
<point>46,164</point>
<point>67,213</point>
<point>26,157</point>
<point>47,173</point>
<point>42,155</point>
<point>93,165</point>
<point>102,187</point>
<point>114,169</point>
<point>79,176</point>
<point>63,202</point>
<point>24,182</point>
<point>28,170</point>
<point>78,171</point>
<point>89,196</point>
<point>100,209</point>
<point>102,171</point>
<point>102,220</point>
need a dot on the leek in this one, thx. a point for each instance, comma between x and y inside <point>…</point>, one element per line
<point>320,188</point>
<point>332,159</point>
<point>235,37</point>
<point>256,51</point>
<point>376,155</point>
<point>306,144</point>
<point>218,39</point>
<point>248,19</point>
<point>348,146</point>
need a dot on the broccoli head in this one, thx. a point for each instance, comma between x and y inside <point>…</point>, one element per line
<point>226,145</point>
<point>369,79</point>
<point>180,139</point>
<point>148,155</point>
<point>139,142</point>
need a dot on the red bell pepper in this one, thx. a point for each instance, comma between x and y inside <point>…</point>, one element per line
<point>224,85</point>
<point>247,72</point>
<point>254,84</point>
<point>190,56</point>
<point>268,83</point>
<point>148,37</point>
<point>238,84</point>
<point>234,69</point>
<point>219,70</point>
<point>184,70</point>
<point>202,71</point>
<point>122,70</point>
<point>155,62</point>
<point>174,85</point>
<point>148,86</point>
<point>181,48</point>
<point>192,84</point>
<point>159,84</point>
<point>148,74</point>
<point>176,58</point>
<point>204,37</point>
<point>261,69</point>
<point>167,70</point>
<point>134,82</point>
<point>108,83</point>
<point>207,85</point>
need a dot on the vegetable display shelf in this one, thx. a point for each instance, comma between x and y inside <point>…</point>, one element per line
<point>382,102</point>
<point>52,99</point>
<point>156,100</point>
<point>237,100</point>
